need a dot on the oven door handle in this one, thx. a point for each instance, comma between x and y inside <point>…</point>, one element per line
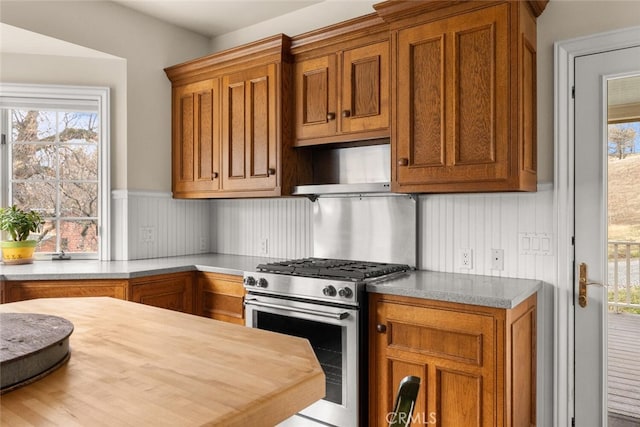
<point>338,316</point>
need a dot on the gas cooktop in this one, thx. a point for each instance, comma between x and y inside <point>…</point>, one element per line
<point>333,268</point>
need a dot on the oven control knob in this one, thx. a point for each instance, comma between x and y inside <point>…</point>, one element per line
<point>345,292</point>
<point>262,283</point>
<point>329,291</point>
<point>249,281</point>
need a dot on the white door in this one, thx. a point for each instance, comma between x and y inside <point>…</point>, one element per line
<point>591,75</point>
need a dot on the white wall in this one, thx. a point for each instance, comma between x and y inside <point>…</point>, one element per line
<point>148,46</point>
<point>300,21</point>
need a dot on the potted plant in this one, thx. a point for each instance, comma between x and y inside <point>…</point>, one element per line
<point>19,223</point>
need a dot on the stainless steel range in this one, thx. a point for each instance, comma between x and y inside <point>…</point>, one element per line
<point>322,300</point>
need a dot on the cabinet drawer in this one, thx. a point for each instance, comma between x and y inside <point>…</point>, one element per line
<point>171,291</point>
<point>455,336</point>
<point>220,297</point>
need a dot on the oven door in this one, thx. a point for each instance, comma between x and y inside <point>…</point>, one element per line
<point>333,334</point>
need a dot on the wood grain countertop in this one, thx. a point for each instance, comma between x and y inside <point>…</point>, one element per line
<point>137,365</point>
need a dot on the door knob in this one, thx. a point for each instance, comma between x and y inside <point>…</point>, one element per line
<point>346,113</point>
<point>271,171</point>
<point>331,116</point>
<point>403,161</point>
<point>214,175</point>
<point>381,328</point>
<point>582,291</point>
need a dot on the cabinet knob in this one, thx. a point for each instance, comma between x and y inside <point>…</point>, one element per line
<point>331,116</point>
<point>381,328</point>
<point>403,161</point>
<point>346,113</point>
<point>214,175</point>
<point>271,171</point>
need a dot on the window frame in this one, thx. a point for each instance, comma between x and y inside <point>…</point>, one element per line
<point>87,94</point>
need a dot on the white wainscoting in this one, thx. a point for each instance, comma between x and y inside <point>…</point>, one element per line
<point>240,227</point>
<point>446,223</point>
<point>481,222</point>
<point>154,225</point>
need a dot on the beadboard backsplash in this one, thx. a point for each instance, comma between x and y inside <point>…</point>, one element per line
<point>157,226</point>
<point>278,228</point>
<point>154,225</point>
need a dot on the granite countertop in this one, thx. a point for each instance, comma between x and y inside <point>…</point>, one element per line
<point>490,291</point>
<point>92,269</point>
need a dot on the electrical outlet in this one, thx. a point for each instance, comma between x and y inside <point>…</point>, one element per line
<point>147,234</point>
<point>203,243</point>
<point>466,258</point>
<point>497,259</point>
<point>264,246</point>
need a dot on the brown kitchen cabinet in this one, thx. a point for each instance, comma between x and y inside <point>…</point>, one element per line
<point>31,289</point>
<point>464,95</point>
<point>232,115</point>
<point>477,364</point>
<point>342,87</point>
<point>249,130</point>
<point>172,291</point>
<point>196,138</point>
<point>220,297</point>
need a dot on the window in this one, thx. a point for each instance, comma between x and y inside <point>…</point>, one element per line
<point>55,160</point>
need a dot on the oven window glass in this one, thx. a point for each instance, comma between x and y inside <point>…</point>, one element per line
<point>325,339</point>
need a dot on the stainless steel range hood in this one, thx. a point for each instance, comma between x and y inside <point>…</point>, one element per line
<point>334,189</point>
<point>349,170</point>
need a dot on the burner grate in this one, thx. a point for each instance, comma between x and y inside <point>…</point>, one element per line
<point>333,268</point>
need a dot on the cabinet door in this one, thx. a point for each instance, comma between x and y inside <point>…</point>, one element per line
<point>20,291</point>
<point>453,102</point>
<point>454,354</point>
<point>220,297</point>
<point>196,139</point>
<point>171,291</point>
<point>316,101</point>
<point>250,134</point>
<point>365,88</point>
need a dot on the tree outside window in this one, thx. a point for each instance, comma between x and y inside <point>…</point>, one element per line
<point>53,157</point>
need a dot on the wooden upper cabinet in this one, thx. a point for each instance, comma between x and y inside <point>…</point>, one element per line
<point>232,123</point>
<point>342,86</point>
<point>249,130</point>
<point>465,101</point>
<point>316,97</point>
<point>196,139</point>
<point>365,88</point>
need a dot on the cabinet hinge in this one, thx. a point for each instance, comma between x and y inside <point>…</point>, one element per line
<point>573,92</point>
<point>3,139</point>
<point>573,422</point>
<point>573,240</point>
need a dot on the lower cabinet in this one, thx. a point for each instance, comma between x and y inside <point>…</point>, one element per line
<point>23,290</point>
<point>213,295</point>
<point>172,291</point>
<point>220,297</point>
<point>477,364</point>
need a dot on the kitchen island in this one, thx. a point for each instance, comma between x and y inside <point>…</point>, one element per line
<point>133,364</point>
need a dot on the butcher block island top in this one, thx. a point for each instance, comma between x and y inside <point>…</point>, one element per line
<point>135,365</point>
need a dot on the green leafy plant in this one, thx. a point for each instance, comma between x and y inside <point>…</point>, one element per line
<point>19,223</point>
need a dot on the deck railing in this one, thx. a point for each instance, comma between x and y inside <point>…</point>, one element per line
<point>624,275</point>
